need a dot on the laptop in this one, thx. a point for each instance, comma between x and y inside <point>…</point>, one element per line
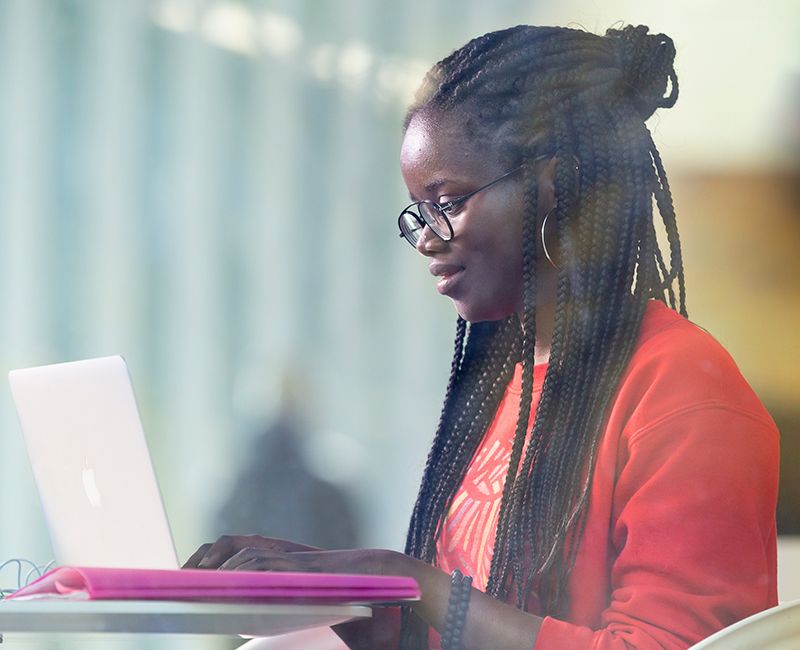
<point>91,464</point>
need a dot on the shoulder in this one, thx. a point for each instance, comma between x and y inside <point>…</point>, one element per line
<point>678,368</point>
<point>687,432</point>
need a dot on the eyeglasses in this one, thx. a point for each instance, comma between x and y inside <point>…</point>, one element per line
<point>415,217</point>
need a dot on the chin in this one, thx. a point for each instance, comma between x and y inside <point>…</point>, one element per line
<point>482,313</point>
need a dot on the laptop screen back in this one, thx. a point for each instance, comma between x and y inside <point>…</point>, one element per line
<point>91,464</point>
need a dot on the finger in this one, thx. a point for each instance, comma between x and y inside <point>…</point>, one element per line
<point>277,544</point>
<point>229,545</point>
<point>258,564</point>
<point>242,556</point>
<point>197,556</point>
<point>287,546</point>
<point>223,549</point>
<point>259,559</point>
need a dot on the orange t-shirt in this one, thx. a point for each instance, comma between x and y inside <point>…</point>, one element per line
<point>680,536</point>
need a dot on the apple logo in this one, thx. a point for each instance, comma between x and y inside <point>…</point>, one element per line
<point>90,485</point>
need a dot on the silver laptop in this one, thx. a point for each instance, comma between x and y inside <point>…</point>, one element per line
<point>90,460</point>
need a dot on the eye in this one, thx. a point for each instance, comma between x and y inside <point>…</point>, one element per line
<point>454,209</point>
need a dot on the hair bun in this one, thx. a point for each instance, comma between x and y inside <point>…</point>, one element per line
<point>647,63</point>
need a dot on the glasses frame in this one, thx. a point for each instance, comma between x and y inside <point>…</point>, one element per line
<point>442,210</point>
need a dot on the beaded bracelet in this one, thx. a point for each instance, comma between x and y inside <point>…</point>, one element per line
<point>460,589</point>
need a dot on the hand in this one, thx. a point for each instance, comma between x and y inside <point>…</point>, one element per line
<point>255,553</point>
<point>214,554</point>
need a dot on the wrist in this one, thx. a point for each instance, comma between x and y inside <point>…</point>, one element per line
<point>371,561</point>
<point>394,563</point>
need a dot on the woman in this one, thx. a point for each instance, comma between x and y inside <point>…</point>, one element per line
<point>601,470</point>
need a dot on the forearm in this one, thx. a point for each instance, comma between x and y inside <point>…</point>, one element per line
<point>382,630</point>
<point>489,623</point>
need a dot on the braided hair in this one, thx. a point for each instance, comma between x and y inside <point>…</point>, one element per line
<point>583,99</point>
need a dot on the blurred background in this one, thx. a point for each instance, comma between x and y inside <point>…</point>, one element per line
<point>210,188</point>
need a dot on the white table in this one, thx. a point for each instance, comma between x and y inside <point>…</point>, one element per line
<point>39,617</point>
<point>777,628</point>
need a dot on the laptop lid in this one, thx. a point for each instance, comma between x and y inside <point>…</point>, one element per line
<point>92,466</point>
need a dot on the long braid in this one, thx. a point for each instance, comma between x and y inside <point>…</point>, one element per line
<point>458,354</point>
<point>605,372</point>
<point>504,553</point>
<point>566,183</point>
<point>461,449</point>
<point>476,367</point>
<point>667,210</point>
<point>492,346</point>
<point>582,360</point>
<point>573,96</point>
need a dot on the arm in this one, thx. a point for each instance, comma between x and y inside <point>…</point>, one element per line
<point>489,624</point>
<point>693,532</point>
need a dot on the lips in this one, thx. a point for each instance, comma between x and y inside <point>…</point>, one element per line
<point>448,275</point>
<point>442,270</point>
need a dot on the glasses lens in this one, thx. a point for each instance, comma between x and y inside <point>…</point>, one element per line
<point>410,227</point>
<point>435,218</point>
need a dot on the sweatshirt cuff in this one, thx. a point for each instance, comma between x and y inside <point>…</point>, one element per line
<point>558,635</point>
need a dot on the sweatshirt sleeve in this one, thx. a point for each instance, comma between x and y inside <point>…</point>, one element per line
<point>693,529</point>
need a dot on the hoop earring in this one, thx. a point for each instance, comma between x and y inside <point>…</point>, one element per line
<point>544,243</point>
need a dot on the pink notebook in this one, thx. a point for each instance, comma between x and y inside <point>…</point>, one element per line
<point>91,583</point>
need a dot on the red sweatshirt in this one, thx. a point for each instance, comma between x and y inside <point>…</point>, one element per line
<point>680,534</point>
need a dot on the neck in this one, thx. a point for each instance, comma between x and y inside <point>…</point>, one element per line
<point>544,333</point>
<point>545,318</point>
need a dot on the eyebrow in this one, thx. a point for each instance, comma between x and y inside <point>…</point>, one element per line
<point>435,185</point>
<point>432,186</point>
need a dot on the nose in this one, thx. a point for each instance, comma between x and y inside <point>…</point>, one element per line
<point>429,242</point>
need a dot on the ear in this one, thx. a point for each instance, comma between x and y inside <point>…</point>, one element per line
<point>547,252</point>
<point>545,181</point>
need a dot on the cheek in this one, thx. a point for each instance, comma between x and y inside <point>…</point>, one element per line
<point>508,257</point>
<point>491,236</point>
<point>506,242</point>
<point>501,266</point>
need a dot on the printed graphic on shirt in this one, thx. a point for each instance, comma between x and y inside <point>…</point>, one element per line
<point>468,536</point>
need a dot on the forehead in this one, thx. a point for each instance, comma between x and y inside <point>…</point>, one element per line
<point>436,144</point>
